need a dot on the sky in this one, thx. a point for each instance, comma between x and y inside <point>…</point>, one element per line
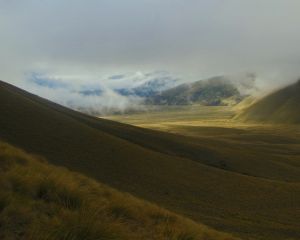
<point>87,42</point>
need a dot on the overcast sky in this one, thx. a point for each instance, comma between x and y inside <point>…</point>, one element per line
<point>84,40</point>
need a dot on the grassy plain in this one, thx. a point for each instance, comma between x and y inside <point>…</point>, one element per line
<point>200,121</point>
<point>170,117</point>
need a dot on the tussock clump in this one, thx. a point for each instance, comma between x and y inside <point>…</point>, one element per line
<point>50,191</point>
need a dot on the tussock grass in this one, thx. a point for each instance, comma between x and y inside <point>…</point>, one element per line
<point>40,201</point>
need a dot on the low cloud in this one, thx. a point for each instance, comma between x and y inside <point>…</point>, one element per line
<point>84,42</point>
<point>99,96</point>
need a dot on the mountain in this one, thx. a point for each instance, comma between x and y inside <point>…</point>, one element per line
<point>115,94</point>
<point>150,87</point>
<point>91,92</point>
<point>223,185</point>
<point>213,91</point>
<point>282,106</point>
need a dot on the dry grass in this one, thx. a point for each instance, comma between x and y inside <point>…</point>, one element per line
<point>260,151</point>
<point>40,201</point>
<point>242,182</point>
<point>281,106</point>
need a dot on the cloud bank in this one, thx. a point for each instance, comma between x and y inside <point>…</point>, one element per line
<point>116,93</point>
<point>86,41</point>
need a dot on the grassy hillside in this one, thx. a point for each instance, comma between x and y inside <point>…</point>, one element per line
<point>184,174</point>
<point>209,135</point>
<point>40,201</point>
<point>214,91</point>
<point>282,106</point>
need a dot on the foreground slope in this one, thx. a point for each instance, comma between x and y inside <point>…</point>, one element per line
<point>130,159</point>
<point>40,201</point>
<point>282,106</point>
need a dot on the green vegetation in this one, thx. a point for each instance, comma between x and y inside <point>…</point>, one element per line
<point>241,179</point>
<point>40,201</point>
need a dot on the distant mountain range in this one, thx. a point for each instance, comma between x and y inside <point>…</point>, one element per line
<point>130,92</point>
<point>149,88</point>
<point>92,92</point>
<point>212,92</point>
<point>166,90</point>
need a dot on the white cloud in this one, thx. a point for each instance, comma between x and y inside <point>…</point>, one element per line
<point>99,95</point>
<point>84,40</point>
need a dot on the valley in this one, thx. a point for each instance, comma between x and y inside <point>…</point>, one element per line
<point>238,178</point>
<point>149,120</point>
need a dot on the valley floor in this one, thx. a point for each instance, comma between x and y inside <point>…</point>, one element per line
<point>208,121</point>
<point>262,152</point>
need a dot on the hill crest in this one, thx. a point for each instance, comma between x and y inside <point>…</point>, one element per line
<point>281,106</point>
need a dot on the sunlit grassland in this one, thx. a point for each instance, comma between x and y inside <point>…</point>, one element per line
<point>198,120</point>
<point>161,117</point>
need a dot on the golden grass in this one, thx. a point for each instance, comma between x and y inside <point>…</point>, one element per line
<point>40,201</point>
<point>281,106</point>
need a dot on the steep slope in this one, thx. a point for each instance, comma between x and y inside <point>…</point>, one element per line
<point>282,106</point>
<point>53,203</point>
<point>133,160</point>
<point>213,91</point>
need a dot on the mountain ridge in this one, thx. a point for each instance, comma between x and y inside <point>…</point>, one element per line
<point>214,91</point>
<point>281,106</point>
